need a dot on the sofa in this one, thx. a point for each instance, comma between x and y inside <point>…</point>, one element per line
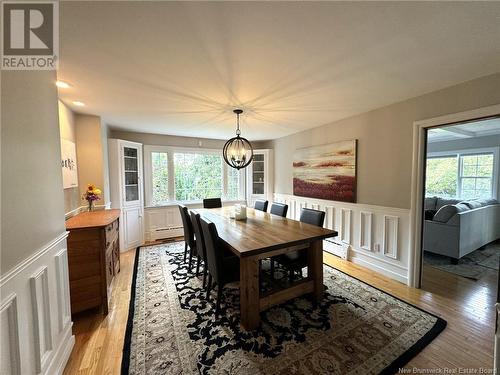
<point>455,228</point>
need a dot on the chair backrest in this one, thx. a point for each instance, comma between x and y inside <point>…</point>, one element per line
<point>313,217</point>
<point>279,209</point>
<point>214,252</point>
<point>200,242</point>
<point>187,225</point>
<point>261,205</point>
<point>212,203</point>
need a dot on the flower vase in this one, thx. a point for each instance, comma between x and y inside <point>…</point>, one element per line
<point>91,206</point>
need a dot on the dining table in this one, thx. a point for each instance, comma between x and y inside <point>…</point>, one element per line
<point>263,235</point>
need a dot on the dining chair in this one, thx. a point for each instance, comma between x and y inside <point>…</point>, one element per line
<point>279,209</point>
<point>212,203</point>
<point>189,241</point>
<point>261,205</point>
<point>222,269</point>
<point>297,260</point>
<point>200,245</point>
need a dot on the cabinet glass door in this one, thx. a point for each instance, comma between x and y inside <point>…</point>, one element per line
<point>131,171</point>
<point>258,175</point>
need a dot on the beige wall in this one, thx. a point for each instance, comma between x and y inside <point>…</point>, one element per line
<point>32,211</point>
<point>72,198</point>
<point>89,153</point>
<point>104,152</point>
<point>172,140</point>
<point>385,140</point>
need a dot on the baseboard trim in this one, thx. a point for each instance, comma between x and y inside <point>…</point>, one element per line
<point>358,253</point>
<point>61,357</point>
<point>384,271</point>
<point>32,258</point>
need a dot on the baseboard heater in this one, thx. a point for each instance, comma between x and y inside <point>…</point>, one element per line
<point>336,247</point>
<point>161,233</point>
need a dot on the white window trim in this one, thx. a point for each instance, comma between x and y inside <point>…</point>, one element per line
<point>473,151</point>
<point>170,150</point>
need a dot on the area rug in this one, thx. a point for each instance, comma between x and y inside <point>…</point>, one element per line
<point>474,266</point>
<point>356,329</point>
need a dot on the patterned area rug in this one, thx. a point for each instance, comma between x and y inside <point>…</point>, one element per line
<point>476,265</point>
<point>356,329</point>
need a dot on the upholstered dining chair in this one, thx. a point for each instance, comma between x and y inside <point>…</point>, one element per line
<point>297,260</point>
<point>222,269</point>
<point>212,203</point>
<point>261,205</point>
<point>279,209</point>
<point>200,245</point>
<point>189,241</point>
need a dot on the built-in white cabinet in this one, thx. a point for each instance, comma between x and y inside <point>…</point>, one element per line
<point>260,177</point>
<point>126,187</point>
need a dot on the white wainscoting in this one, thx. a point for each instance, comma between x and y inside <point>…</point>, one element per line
<point>376,237</point>
<point>35,313</point>
<point>165,221</point>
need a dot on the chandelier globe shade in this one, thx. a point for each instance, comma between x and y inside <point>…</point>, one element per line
<point>238,151</point>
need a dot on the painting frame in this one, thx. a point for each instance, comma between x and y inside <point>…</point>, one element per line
<point>69,164</point>
<point>327,171</point>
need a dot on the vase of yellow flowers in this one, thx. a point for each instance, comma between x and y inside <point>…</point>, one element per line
<point>91,195</point>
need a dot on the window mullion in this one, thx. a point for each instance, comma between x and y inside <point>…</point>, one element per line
<point>171,175</point>
<point>459,175</point>
<point>225,191</point>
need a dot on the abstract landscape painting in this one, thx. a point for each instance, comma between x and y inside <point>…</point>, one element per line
<point>326,172</point>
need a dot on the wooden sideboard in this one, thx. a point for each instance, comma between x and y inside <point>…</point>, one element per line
<point>93,258</point>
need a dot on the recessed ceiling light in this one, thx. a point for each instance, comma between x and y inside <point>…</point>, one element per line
<point>63,85</point>
<point>78,104</point>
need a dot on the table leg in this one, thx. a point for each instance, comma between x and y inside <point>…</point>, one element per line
<point>315,268</point>
<point>249,293</point>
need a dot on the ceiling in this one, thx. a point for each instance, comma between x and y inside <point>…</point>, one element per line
<point>466,130</point>
<point>180,68</point>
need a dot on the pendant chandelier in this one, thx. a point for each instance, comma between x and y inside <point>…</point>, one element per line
<point>238,151</point>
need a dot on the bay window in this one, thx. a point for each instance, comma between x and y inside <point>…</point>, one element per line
<point>189,175</point>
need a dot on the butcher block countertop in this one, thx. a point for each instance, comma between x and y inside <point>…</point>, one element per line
<point>94,219</point>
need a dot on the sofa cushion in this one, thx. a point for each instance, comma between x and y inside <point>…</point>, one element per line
<point>430,203</point>
<point>443,202</point>
<point>473,204</point>
<point>488,202</point>
<point>446,212</point>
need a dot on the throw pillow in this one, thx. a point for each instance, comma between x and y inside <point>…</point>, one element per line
<point>443,202</point>
<point>445,213</point>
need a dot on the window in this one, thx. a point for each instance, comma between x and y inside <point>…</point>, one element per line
<point>159,175</point>
<point>187,175</point>
<point>462,174</point>
<point>197,176</point>
<point>441,176</point>
<point>476,176</point>
<point>234,182</point>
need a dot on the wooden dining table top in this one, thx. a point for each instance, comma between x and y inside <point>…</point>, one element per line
<point>260,231</point>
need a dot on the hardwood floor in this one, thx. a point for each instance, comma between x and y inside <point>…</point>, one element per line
<point>467,342</point>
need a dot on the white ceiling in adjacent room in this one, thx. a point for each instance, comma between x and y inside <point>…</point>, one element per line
<point>181,67</point>
<point>466,130</point>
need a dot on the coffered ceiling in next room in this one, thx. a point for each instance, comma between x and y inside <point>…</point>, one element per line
<point>180,68</point>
